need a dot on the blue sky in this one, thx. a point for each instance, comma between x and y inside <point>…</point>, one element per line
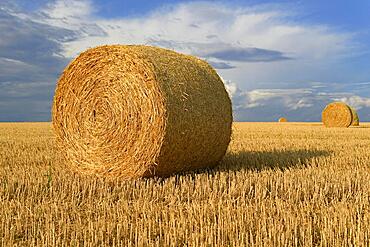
<point>277,58</point>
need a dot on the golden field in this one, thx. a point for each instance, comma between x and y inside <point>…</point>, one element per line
<point>280,184</point>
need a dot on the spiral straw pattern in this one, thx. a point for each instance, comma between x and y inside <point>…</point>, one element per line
<point>337,114</point>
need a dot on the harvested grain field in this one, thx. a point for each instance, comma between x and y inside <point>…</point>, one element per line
<point>297,184</point>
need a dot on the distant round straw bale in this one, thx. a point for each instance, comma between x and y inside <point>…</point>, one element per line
<point>337,114</point>
<point>283,120</point>
<point>356,119</point>
<point>140,111</point>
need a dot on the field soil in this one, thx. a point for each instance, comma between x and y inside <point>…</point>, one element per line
<point>280,184</point>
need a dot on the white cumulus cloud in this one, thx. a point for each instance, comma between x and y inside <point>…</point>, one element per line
<point>356,101</point>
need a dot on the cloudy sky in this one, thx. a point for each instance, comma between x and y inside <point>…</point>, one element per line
<point>277,58</point>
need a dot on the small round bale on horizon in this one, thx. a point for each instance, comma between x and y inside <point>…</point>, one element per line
<point>283,120</point>
<point>337,114</point>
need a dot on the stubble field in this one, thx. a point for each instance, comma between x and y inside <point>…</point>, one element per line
<point>287,184</point>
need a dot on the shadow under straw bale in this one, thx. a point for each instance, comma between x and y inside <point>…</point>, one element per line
<point>269,159</point>
<point>258,161</point>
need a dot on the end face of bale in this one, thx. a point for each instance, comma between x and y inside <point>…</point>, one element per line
<point>337,114</point>
<point>138,111</point>
<point>282,120</point>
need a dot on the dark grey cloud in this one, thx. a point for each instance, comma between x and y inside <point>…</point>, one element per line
<point>221,65</point>
<point>25,110</point>
<point>212,36</point>
<point>222,51</point>
<point>32,43</point>
<point>237,54</point>
<point>16,90</point>
<point>30,63</point>
<point>194,25</point>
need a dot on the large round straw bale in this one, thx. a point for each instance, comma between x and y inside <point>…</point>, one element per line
<point>283,120</point>
<point>355,118</point>
<point>337,114</point>
<point>140,111</point>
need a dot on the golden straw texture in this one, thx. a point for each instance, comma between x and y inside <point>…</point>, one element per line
<point>140,111</point>
<point>283,120</point>
<point>337,114</point>
<point>356,119</point>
